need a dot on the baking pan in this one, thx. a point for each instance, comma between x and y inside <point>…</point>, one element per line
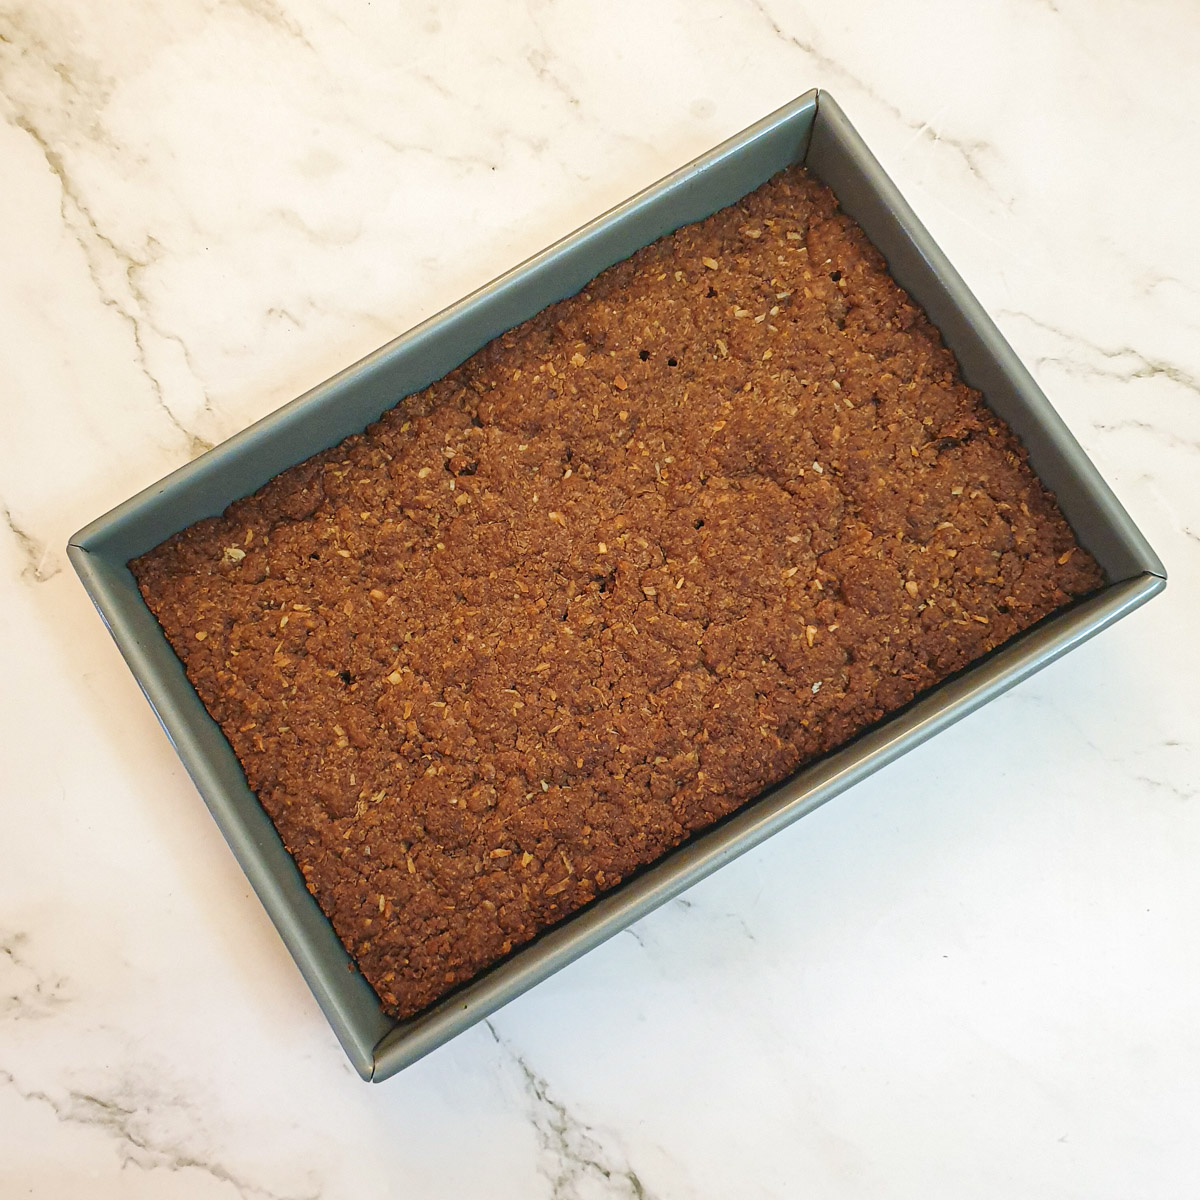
<point>811,130</point>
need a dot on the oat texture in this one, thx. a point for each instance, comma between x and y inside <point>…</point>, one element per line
<point>632,563</point>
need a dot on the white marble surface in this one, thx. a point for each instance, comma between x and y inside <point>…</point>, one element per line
<point>975,975</point>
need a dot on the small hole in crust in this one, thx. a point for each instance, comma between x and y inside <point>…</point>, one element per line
<point>672,362</point>
<point>346,677</point>
<point>700,524</point>
<point>835,276</point>
<point>643,355</point>
<point>711,293</point>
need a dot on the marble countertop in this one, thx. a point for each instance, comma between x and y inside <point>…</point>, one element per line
<point>975,974</point>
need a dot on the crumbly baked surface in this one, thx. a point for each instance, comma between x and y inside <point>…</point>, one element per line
<point>631,564</point>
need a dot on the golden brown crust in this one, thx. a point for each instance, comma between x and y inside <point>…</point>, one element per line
<point>631,564</point>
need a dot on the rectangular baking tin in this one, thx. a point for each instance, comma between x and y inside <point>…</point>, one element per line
<point>811,130</point>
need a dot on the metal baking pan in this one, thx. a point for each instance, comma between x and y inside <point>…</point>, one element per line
<point>811,130</point>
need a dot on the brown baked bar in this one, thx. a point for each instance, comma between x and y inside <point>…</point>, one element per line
<point>632,563</point>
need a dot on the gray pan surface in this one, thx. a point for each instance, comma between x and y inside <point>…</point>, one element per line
<point>811,129</point>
